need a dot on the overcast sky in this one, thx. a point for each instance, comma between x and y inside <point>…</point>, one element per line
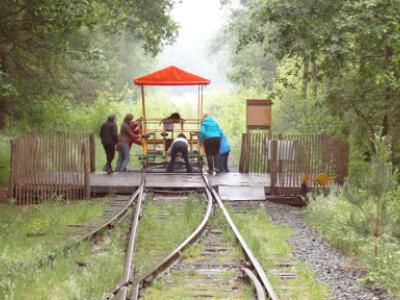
<point>198,20</point>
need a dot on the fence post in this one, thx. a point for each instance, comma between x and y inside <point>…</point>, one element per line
<point>274,160</point>
<point>11,180</point>
<point>242,153</point>
<point>247,153</point>
<point>86,167</point>
<point>92,144</point>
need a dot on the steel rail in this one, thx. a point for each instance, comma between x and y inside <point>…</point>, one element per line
<point>119,213</point>
<point>175,254</point>
<point>251,257</point>
<point>260,292</point>
<point>116,218</point>
<point>131,246</point>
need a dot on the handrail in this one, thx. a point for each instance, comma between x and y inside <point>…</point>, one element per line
<point>257,267</point>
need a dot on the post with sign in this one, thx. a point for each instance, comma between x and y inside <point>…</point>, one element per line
<point>253,156</point>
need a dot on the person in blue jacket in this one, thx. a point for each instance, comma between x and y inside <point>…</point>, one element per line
<point>210,137</point>
<point>224,150</point>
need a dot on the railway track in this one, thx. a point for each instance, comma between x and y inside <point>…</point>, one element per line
<point>224,266</point>
<point>115,212</point>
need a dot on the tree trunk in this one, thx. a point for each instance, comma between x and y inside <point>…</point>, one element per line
<point>304,87</point>
<point>388,93</point>
<point>315,78</point>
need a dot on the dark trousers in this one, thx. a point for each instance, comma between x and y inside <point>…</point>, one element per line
<point>179,147</point>
<point>110,154</point>
<point>223,162</point>
<point>211,147</point>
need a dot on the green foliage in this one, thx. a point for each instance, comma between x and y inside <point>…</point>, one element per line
<point>367,210</point>
<point>338,64</point>
<point>85,272</point>
<point>269,244</point>
<point>372,195</point>
<point>335,216</point>
<point>164,225</point>
<point>75,50</point>
<point>31,233</point>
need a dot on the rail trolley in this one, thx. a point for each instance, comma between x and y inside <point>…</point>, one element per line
<point>158,133</point>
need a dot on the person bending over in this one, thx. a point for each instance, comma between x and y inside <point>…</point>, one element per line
<point>179,145</point>
<point>210,137</point>
<point>109,138</point>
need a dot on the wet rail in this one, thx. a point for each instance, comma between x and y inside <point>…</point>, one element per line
<point>259,271</point>
<point>131,287</point>
<point>114,213</point>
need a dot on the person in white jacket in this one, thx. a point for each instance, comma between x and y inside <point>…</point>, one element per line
<point>179,145</point>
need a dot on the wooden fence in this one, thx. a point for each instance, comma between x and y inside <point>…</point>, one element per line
<point>253,154</point>
<point>49,165</point>
<point>294,161</point>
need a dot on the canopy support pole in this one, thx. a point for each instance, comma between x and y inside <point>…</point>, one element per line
<point>201,100</point>
<point>143,110</point>
<point>144,142</point>
<point>198,108</point>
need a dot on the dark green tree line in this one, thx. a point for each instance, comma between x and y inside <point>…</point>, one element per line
<point>345,57</point>
<point>75,49</point>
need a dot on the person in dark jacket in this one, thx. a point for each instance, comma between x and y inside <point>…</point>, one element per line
<point>224,151</point>
<point>210,137</point>
<point>109,138</point>
<point>179,145</point>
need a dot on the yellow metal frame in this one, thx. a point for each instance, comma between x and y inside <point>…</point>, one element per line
<point>192,126</point>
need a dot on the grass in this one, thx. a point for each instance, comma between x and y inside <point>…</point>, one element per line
<point>86,272</point>
<point>164,225</point>
<point>31,232</point>
<point>269,244</point>
<point>182,284</point>
<point>333,214</point>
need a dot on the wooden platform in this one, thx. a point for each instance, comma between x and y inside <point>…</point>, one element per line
<point>126,183</point>
<point>231,186</point>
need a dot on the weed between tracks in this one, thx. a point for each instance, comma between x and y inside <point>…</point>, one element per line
<point>191,283</point>
<point>269,244</point>
<point>85,272</point>
<point>163,226</point>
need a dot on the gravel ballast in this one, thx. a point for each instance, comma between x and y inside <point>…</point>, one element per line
<point>328,264</point>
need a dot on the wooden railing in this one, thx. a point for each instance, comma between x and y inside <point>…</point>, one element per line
<point>49,165</point>
<point>294,161</point>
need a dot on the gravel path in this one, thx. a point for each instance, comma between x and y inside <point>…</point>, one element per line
<point>328,264</point>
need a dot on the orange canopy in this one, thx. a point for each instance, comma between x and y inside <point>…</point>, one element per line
<point>171,76</point>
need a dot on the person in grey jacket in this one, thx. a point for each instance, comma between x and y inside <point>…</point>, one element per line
<point>109,138</point>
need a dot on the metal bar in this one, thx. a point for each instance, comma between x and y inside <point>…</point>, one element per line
<point>131,245</point>
<point>259,270</point>
<point>256,283</point>
<point>175,254</point>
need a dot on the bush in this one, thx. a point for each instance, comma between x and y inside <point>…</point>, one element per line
<point>363,218</point>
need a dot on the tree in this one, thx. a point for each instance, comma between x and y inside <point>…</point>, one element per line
<point>73,48</point>
<point>372,195</point>
<point>348,49</point>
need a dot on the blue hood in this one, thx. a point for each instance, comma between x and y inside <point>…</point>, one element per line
<point>209,129</point>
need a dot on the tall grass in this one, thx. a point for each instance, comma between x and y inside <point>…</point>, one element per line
<point>334,215</point>
<point>86,272</point>
<point>29,233</point>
